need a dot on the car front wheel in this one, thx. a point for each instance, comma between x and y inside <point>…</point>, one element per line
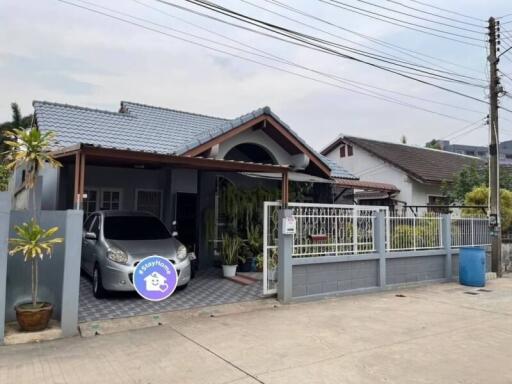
<point>97,284</point>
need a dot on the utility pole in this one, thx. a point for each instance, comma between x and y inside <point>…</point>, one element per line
<point>494,179</point>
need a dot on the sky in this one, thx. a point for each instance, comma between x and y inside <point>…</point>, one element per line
<point>53,51</point>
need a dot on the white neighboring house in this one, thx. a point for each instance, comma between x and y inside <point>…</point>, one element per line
<point>418,173</point>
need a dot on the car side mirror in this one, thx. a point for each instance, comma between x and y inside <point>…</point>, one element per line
<point>91,236</point>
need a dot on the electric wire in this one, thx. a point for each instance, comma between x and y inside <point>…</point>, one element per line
<point>387,99</point>
<point>395,21</point>
<point>383,43</point>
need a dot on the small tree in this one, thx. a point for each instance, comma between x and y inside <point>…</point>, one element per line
<point>30,148</point>
<point>464,182</point>
<point>480,196</point>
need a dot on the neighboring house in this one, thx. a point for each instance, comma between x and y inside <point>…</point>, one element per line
<point>173,163</point>
<point>479,151</point>
<point>418,173</point>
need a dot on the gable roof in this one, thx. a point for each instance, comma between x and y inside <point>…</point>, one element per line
<point>141,127</point>
<point>423,164</point>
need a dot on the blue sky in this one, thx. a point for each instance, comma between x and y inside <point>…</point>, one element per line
<point>53,51</point>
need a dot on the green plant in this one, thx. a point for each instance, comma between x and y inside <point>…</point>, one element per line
<point>4,178</point>
<point>30,148</point>
<point>34,242</point>
<point>231,246</point>
<point>480,196</point>
<point>254,239</point>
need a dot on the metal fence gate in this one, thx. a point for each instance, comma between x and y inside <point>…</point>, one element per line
<point>336,229</point>
<point>321,229</point>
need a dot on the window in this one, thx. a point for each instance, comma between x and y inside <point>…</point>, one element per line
<point>90,202</point>
<point>350,150</point>
<point>342,150</point>
<point>134,228</point>
<point>111,199</point>
<point>149,201</point>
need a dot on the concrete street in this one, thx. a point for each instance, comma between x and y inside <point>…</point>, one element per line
<point>433,334</point>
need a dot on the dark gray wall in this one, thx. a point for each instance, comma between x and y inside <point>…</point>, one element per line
<point>51,270</point>
<point>315,279</point>
<point>414,269</point>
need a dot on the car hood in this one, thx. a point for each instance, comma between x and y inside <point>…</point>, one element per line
<point>138,249</point>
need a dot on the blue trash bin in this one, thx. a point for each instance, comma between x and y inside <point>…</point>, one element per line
<point>472,266</point>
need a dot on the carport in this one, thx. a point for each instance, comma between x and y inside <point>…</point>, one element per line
<point>208,287</point>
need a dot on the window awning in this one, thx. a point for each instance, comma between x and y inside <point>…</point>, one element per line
<point>292,176</point>
<point>366,185</point>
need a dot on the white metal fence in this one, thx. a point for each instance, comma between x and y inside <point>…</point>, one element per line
<point>470,231</point>
<point>413,232</point>
<point>330,229</point>
<point>334,229</point>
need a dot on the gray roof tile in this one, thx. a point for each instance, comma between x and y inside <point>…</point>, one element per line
<point>146,128</point>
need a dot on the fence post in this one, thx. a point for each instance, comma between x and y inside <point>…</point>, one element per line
<point>380,245</point>
<point>71,279</point>
<point>5,212</point>
<point>447,244</point>
<point>285,250</point>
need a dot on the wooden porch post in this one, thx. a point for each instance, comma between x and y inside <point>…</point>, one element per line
<point>76,190</point>
<point>78,195</point>
<point>284,190</point>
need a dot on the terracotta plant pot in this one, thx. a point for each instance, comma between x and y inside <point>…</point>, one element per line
<point>33,319</point>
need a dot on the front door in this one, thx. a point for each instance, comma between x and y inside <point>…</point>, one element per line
<point>186,219</point>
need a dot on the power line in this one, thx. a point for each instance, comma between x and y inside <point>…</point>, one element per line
<point>216,8</point>
<point>435,14</point>
<point>388,19</point>
<point>289,62</point>
<point>420,17</point>
<point>305,38</point>
<point>296,41</point>
<point>394,47</point>
<point>391,100</point>
<point>342,38</point>
<point>447,10</point>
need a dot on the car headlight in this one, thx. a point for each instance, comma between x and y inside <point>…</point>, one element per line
<point>181,254</point>
<point>115,254</point>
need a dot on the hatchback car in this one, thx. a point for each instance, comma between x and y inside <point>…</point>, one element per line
<point>114,242</point>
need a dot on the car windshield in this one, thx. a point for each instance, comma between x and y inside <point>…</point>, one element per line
<point>134,228</point>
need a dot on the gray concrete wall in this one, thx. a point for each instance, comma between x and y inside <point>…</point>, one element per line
<point>59,276</point>
<point>414,269</point>
<point>325,278</point>
<point>328,275</point>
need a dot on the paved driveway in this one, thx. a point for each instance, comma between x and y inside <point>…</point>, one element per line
<point>436,334</point>
<point>205,289</point>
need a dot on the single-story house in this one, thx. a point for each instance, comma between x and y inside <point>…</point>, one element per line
<point>177,165</point>
<point>417,173</point>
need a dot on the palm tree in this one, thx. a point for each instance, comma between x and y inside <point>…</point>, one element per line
<point>30,148</point>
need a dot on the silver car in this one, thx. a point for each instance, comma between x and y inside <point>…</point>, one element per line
<point>114,242</point>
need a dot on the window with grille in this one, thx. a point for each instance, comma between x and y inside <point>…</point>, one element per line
<point>110,199</point>
<point>90,203</point>
<point>149,201</point>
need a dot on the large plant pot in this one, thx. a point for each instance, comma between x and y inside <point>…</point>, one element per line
<point>229,270</point>
<point>33,319</point>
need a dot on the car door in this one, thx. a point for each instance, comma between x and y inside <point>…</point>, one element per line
<point>89,245</point>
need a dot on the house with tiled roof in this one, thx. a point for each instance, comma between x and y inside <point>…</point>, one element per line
<point>418,173</point>
<point>177,165</point>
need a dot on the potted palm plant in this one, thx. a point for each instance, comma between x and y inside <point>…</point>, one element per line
<point>30,148</point>
<point>231,246</point>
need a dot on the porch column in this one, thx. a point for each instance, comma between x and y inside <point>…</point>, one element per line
<point>78,195</point>
<point>284,190</point>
